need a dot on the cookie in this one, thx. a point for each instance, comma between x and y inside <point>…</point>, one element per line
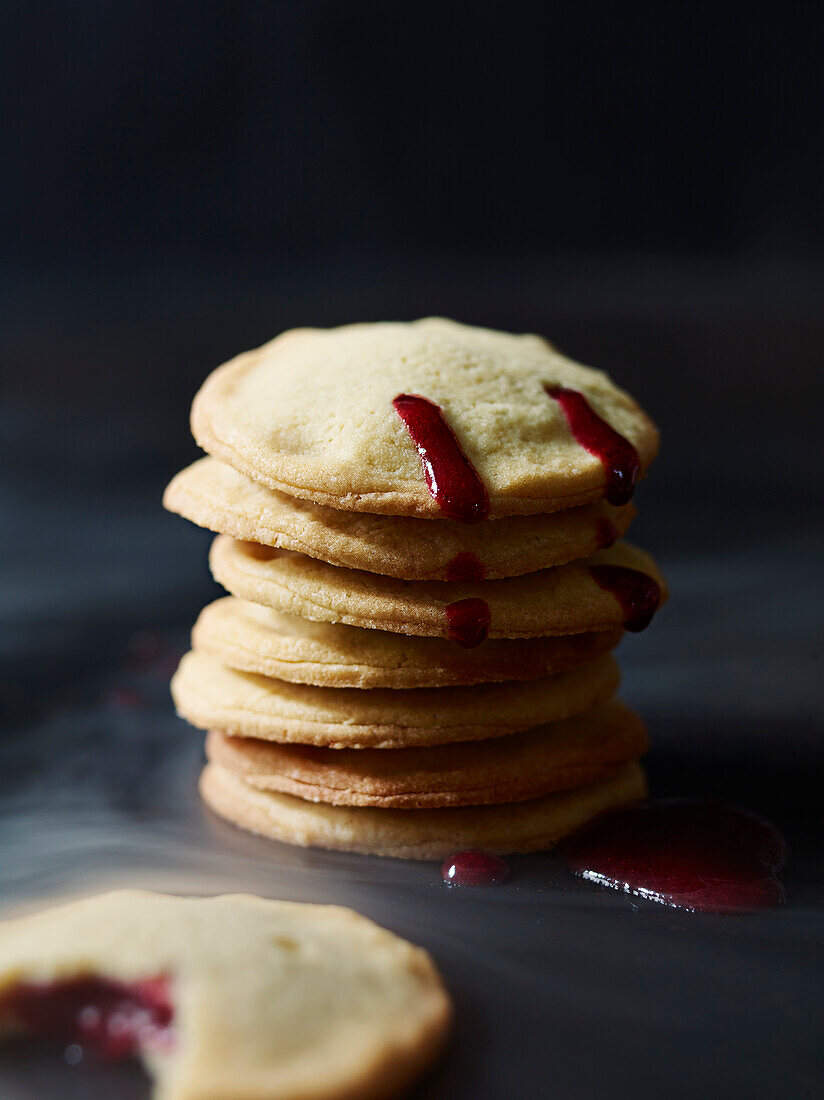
<point>211,696</point>
<point>564,600</point>
<point>253,638</point>
<point>565,754</point>
<point>418,834</point>
<point>314,414</point>
<point>228,998</point>
<point>216,496</point>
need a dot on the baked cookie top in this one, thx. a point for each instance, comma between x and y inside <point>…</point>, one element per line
<point>216,496</point>
<point>316,414</point>
<point>260,998</point>
<point>253,638</point>
<point>570,599</point>
<point>211,696</point>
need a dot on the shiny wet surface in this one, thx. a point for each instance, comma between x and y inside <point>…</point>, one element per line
<point>561,988</point>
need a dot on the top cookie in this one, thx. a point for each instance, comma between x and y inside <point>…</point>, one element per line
<point>311,414</point>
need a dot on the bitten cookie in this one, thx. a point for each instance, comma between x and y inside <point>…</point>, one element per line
<point>565,754</point>
<point>311,414</point>
<point>228,998</point>
<point>418,834</point>
<point>211,696</point>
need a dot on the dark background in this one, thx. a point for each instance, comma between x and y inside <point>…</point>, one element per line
<point>640,182</point>
<point>181,181</point>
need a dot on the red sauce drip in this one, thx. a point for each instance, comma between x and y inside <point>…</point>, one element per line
<point>692,855</point>
<point>465,567</point>
<point>474,868</point>
<point>606,533</point>
<point>450,476</point>
<point>637,593</point>
<point>618,455</point>
<point>468,621</point>
<point>113,1020</point>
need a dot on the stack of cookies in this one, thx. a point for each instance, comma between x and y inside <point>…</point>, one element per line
<point>419,527</point>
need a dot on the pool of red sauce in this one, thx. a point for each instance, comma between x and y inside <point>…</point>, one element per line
<point>619,457</point>
<point>450,477</point>
<point>637,593</point>
<point>688,854</point>
<point>473,867</point>
<point>110,1019</point>
<point>468,621</point>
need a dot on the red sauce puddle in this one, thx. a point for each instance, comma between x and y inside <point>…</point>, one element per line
<point>113,1020</point>
<point>637,593</point>
<point>465,567</point>
<point>468,621</point>
<point>619,457</point>
<point>474,868</point>
<point>694,855</point>
<point>450,476</point>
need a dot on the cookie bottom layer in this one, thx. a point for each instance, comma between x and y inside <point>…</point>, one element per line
<point>418,834</point>
<point>561,756</point>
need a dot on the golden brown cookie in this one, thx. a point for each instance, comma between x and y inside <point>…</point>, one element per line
<point>216,496</point>
<point>253,638</point>
<point>311,414</point>
<point>211,696</point>
<point>565,754</point>
<point>419,834</point>
<point>229,998</point>
<point>564,600</point>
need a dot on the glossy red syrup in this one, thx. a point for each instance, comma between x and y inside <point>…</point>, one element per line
<point>468,621</point>
<point>113,1020</point>
<point>619,457</point>
<point>465,567</point>
<point>637,593</point>
<point>606,533</point>
<point>692,855</point>
<point>450,476</point>
<point>474,868</point>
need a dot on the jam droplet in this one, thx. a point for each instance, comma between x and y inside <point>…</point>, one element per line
<point>474,868</point>
<point>606,533</point>
<point>450,476</point>
<point>637,593</point>
<point>468,621</point>
<point>619,457</point>
<point>465,567</point>
<point>692,855</point>
<point>114,1020</point>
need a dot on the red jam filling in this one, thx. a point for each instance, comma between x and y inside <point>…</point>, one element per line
<point>606,533</point>
<point>465,567</point>
<point>468,621</point>
<point>694,855</point>
<point>111,1019</point>
<point>474,868</point>
<point>619,457</point>
<point>638,594</point>
<point>450,476</point>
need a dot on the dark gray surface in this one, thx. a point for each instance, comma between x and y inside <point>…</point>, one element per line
<point>561,989</point>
